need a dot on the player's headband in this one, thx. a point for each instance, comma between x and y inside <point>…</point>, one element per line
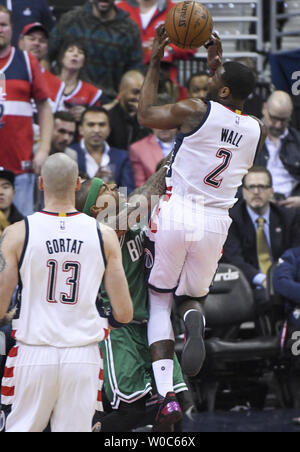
<point>92,195</point>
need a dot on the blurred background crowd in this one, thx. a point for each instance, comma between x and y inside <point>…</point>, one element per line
<point>70,78</point>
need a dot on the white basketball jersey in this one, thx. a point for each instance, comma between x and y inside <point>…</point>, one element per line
<point>211,160</point>
<point>61,270</point>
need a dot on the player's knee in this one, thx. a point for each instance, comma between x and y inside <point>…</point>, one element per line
<point>184,303</point>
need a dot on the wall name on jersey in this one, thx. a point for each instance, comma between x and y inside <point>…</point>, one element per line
<point>230,136</point>
<point>64,246</point>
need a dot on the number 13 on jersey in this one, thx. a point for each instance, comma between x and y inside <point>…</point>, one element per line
<point>72,272</point>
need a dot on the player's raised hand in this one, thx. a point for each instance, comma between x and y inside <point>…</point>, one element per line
<point>214,53</point>
<point>161,40</point>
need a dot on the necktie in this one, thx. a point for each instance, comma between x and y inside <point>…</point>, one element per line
<point>263,251</point>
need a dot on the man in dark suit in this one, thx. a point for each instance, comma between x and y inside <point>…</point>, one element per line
<point>95,156</point>
<point>281,151</point>
<point>251,247</point>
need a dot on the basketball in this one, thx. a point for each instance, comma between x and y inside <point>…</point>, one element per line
<point>189,24</point>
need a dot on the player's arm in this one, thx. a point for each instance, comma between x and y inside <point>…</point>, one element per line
<point>115,281</point>
<point>10,245</point>
<point>214,53</point>
<point>168,116</point>
<point>155,186</point>
<point>45,120</point>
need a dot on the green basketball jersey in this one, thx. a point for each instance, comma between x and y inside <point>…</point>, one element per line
<point>132,246</point>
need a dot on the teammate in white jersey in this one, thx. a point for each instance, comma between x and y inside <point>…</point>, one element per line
<point>52,373</point>
<point>215,146</point>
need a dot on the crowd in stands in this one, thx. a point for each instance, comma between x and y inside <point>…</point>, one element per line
<point>72,85</point>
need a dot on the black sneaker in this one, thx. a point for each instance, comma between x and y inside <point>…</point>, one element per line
<point>169,412</point>
<point>193,353</point>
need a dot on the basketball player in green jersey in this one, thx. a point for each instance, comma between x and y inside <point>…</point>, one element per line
<point>128,378</point>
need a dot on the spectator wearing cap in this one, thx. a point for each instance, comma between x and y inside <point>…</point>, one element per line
<point>7,193</point>
<point>23,83</point>
<point>26,12</point>
<point>34,39</point>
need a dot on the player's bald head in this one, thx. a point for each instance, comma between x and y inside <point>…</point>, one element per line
<point>59,174</point>
<point>280,101</point>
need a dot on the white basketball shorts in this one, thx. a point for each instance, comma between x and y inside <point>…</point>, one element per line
<point>187,248</point>
<point>47,383</point>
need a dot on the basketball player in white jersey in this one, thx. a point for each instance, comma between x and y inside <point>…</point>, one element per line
<point>61,257</point>
<point>215,146</point>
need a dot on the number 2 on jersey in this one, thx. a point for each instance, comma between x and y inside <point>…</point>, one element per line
<point>211,178</point>
<point>72,281</point>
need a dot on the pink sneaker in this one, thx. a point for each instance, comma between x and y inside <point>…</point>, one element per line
<point>169,412</point>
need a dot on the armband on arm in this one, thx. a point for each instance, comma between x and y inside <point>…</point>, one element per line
<point>113,322</point>
<point>107,313</point>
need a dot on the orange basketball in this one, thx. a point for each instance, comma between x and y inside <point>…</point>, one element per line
<point>189,24</point>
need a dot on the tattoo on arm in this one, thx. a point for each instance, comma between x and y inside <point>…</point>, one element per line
<point>156,184</point>
<point>2,259</point>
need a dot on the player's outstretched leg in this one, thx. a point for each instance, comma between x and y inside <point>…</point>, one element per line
<point>193,354</point>
<point>161,342</point>
<point>169,411</point>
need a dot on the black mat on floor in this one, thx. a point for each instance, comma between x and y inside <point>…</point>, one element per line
<point>246,421</point>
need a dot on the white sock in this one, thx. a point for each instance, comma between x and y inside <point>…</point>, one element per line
<point>163,374</point>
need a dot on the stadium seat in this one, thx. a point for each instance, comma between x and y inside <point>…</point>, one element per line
<point>235,354</point>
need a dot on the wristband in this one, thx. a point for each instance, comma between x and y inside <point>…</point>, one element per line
<point>113,322</point>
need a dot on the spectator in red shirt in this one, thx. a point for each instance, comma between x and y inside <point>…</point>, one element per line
<point>34,39</point>
<point>78,93</point>
<point>148,15</point>
<point>23,82</point>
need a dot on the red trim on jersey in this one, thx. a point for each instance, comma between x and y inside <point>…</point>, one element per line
<point>13,334</point>
<point>101,374</point>
<point>234,111</point>
<point>8,372</point>
<point>13,351</point>
<point>106,333</point>
<point>84,94</point>
<point>99,396</point>
<point>7,391</point>
<point>18,90</point>
<point>56,214</point>
<point>55,85</point>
